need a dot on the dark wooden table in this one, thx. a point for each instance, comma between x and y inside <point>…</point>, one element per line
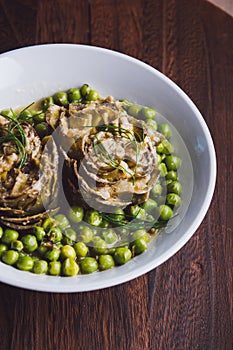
<point>187,302</point>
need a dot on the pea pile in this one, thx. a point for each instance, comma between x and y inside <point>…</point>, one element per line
<point>55,248</point>
<point>69,244</point>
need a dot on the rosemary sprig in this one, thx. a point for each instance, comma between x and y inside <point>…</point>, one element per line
<point>129,134</point>
<point>19,146</point>
<point>14,132</point>
<point>134,223</point>
<point>98,146</point>
<point>117,219</point>
<point>122,219</point>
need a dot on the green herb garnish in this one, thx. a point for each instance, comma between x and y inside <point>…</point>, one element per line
<point>106,158</point>
<point>134,223</point>
<point>14,132</point>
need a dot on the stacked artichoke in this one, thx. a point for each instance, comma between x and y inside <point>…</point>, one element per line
<point>110,156</point>
<point>28,174</point>
<point>110,161</point>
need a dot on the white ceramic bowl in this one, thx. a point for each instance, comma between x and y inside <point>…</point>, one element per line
<point>30,73</point>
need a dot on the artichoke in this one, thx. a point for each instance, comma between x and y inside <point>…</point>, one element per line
<point>28,174</point>
<point>110,156</point>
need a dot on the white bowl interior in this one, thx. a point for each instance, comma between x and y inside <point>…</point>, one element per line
<point>29,74</point>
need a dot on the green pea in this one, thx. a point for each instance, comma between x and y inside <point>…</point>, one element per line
<point>171,175</point>
<point>160,147</point>
<point>3,248</point>
<point>85,89</point>
<point>122,255</point>
<point>54,268</point>
<point>42,129</point>
<point>151,217</point>
<point>39,232</point>
<point>74,95</point>
<point>62,221</point>
<point>58,245</point>
<point>34,257</point>
<point>165,129</point>
<point>157,190</point>
<point>104,224</point>
<point>70,267</point>
<point>55,234</point>
<point>99,245</point>
<point>163,169</point>
<point>139,245</point>
<point>38,117</point>
<point>166,182</point>
<point>174,187</point>
<point>152,124</point>
<point>111,251</point>
<point>42,249</point>
<point>93,217</point>
<point>110,236</point>
<point>25,114</point>
<point>9,235</point>
<point>163,156</point>
<point>165,212</point>
<point>126,104</point>
<point>86,234</point>
<point>119,214</point>
<point>52,254</point>
<point>167,147</point>
<point>159,157</point>
<point>70,236</point>
<point>88,265</point>
<point>1,232</point>
<point>173,199</point>
<point>25,263</point>
<point>66,240</point>
<point>47,102</point>
<point>81,249</point>
<point>106,262</point>
<point>30,243</point>
<point>141,234</point>
<point>22,253</point>
<point>10,257</point>
<point>40,267</point>
<point>7,113</point>
<point>48,224</point>
<point>61,98</point>
<point>68,251</point>
<point>134,110</point>
<point>92,95</point>
<point>76,214</point>
<point>17,245</point>
<point>137,212</point>
<point>149,205</point>
<point>141,214</point>
<point>172,162</point>
<point>148,113</point>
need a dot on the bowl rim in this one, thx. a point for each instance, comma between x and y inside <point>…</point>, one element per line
<point>40,283</point>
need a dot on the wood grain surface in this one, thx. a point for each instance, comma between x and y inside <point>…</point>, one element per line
<point>186,303</point>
